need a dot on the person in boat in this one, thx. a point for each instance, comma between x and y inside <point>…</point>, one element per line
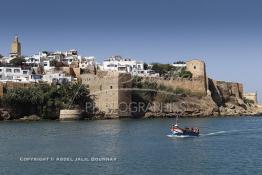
<point>173,127</point>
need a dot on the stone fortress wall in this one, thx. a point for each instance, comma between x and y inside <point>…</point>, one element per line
<point>111,91</point>
<point>200,84</point>
<point>12,85</point>
<point>197,84</point>
<point>194,85</point>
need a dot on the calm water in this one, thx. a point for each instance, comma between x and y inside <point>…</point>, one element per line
<point>226,146</point>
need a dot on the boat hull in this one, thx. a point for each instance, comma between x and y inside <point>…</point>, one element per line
<point>176,131</point>
<point>179,136</point>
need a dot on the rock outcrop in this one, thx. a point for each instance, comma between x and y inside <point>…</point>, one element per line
<point>202,107</point>
<point>223,99</point>
<point>30,118</point>
<point>5,114</point>
<point>188,106</point>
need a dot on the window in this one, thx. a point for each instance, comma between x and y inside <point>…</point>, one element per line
<point>16,70</point>
<point>1,70</point>
<point>8,70</point>
<point>100,87</point>
<point>24,72</point>
<point>111,87</point>
<point>194,67</point>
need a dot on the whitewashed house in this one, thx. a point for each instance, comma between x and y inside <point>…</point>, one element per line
<point>14,74</point>
<point>57,78</point>
<point>86,62</point>
<point>117,63</point>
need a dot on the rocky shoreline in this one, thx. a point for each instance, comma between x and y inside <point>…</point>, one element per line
<point>203,107</point>
<point>228,111</point>
<point>184,105</point>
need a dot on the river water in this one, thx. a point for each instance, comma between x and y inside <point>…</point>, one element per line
<point>227,145</point>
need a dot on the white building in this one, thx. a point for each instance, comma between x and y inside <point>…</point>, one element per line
<point>46,65</point>
<point>35,59</point>
<point>6,59</point>
<point>57,78</point>
<point>70,59</point>
<point>146,73</point>
<point>117,63</point>
<point>14,74</point>
<point>86,62</point>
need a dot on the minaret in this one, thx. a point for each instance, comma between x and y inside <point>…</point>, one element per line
<point>16,48</point>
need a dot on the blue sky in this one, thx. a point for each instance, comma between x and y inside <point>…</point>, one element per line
<point>227,35</point>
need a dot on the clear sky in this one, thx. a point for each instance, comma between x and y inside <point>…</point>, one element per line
<point>226,34</point>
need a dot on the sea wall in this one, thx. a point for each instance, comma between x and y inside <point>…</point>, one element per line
<point>69,114</point>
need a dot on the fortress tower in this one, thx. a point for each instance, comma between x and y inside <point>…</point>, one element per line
<point>197,68</point>
<point>15,48</point>
<point>111,91</point>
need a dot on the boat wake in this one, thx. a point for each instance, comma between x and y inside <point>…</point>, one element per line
<point>244,131</point>
<point>217,133</point>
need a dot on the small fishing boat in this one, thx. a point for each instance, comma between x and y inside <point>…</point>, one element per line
<point>177,131</point>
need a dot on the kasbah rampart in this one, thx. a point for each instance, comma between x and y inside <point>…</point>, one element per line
<point>112,89</point>
<point>113,93</point>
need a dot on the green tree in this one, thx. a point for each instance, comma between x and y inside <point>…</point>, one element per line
<point>162,69</point>
<point>185,74</point>
<point>53,63</point>
<point>45,100</point>
<point>145,66</point>
<point>17,61</point>
<point>149,91</point>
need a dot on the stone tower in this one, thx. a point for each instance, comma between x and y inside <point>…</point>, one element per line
<point>16,48</point>
<point>198,70</point>
<point>111,91</point>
